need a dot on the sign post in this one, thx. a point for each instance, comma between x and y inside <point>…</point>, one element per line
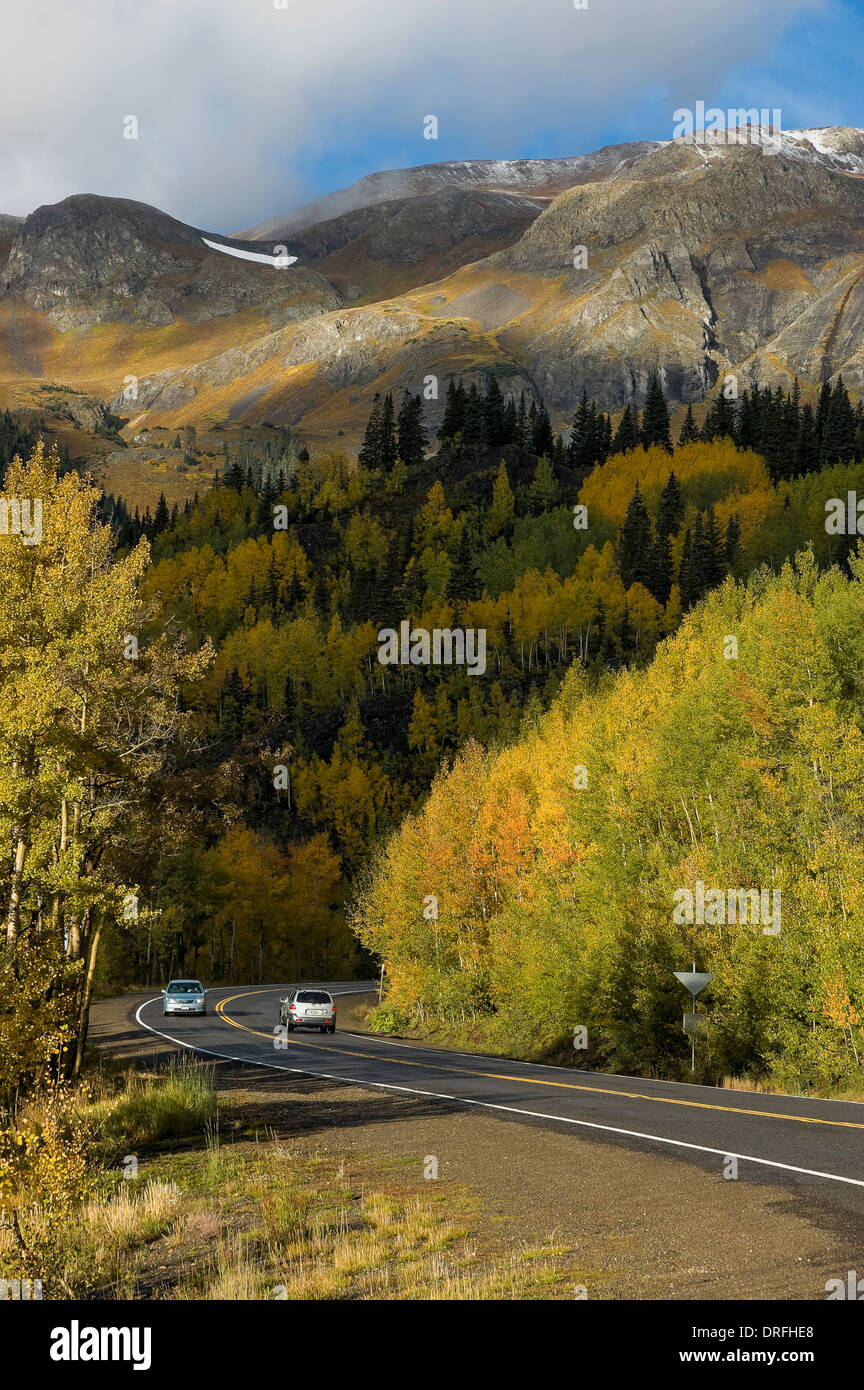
<point>695,981</point>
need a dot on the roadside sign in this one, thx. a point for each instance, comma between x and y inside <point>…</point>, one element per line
<point>694,980</point>
<point>695,1023</point>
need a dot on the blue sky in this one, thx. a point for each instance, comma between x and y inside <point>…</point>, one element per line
<point>247,107</point>
<point>813,70</point>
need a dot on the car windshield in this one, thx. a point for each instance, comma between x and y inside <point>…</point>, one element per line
<point>185,987</point>
<point>312,996</point>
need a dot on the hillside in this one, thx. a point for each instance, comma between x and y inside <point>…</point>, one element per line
<point>702,260</point>
<point>558,865</point>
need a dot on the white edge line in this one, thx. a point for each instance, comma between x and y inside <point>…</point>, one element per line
<point>490,1105</point>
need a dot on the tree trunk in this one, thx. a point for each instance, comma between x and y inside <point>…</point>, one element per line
<point>84,1014</point>
<point>14,914</point>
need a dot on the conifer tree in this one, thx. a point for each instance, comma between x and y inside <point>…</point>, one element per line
<point>627,434</point>
<point>635,544</point>
<point>387,448</point>
<point>671,511</point>
<point>689,430</point>
<point>411,436</point>
<point>542,439</point>
<point>371,446</point>
<point>655,417</point>
<point>662,574</point>
<point>463,584</point>
<point>496,423</point>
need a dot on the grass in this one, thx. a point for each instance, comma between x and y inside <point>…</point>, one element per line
<point>165,1106</point>
<point>216,1209</point>
<point>782,1087</point>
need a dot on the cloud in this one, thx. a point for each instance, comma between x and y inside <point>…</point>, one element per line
<point>237,101</point>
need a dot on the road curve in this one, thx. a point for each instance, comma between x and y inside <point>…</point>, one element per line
<point>817,1144</point>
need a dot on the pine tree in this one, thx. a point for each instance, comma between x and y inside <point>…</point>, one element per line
<point>370,449</point>
<point>635,544</point>
<point>689,430</point>
<point>627,433</point>
<point>387,448</point>
<point>580,435</point>
<point>463,584</point>
<point>662,568</point>
<point>542,439</point>
<point>838,439</point>
<point>807,443</point>
<point>671,511</point>
<point>655,417</point>
<point>496,422</point>
<point>713,551</point>
<point>720,420</point>
<point>454,411</point>
<point>822,410</point>
<point>474,426</point>
<point>233,478</point>
<point>162,518</point>
<point>411,434</point>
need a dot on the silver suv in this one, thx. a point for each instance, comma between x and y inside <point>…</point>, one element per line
<point>308,1008</point>
<point>184,997</point>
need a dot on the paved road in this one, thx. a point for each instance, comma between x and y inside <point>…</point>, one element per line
<point>817,1144</point>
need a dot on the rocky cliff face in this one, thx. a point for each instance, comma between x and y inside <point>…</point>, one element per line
<point>92,260</point>
<point>695,262</point>
<point>692,260</point>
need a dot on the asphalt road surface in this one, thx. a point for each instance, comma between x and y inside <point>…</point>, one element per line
<point>818,1144</point>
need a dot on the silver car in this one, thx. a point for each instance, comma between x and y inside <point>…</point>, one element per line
<point>184,997</point>
<point>308,1008</point>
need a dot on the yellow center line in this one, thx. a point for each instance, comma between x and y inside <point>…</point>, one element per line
<point>531,1080</point>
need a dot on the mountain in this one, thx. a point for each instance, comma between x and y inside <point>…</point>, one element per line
<point>539,178</point>
<point>92,260</point>
<point>388,248</point>
<point>698,260</point>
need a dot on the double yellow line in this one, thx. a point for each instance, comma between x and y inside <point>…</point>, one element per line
<point>529,1080</point>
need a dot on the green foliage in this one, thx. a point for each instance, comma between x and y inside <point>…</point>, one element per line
<point>173,1104</point>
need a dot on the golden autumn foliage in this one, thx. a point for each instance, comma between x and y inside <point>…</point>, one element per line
<point>553,863</point>
<point>88,718</point>
<point>706,472</point>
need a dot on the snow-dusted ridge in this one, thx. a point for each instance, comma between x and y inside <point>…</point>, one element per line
<point>834,147</point>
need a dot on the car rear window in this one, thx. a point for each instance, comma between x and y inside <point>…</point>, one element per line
<point>313,996</point>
